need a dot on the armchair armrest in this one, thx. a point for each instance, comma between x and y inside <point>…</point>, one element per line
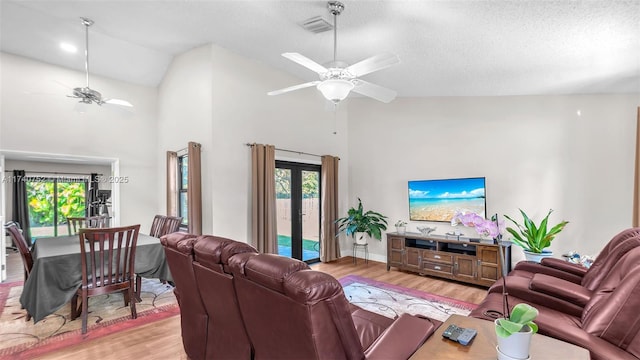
<point>561,289</point>
<point>401,339</point>
<point>565,266</point>
<point>537,268</point>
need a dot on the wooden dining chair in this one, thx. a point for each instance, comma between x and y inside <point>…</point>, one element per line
<point>157,225</point>
<point>161,225</point>
<point>171,225</point>
<point>108,265</point>
<point>25,252</point>
<point>98,221</point>
<point>74,224</point>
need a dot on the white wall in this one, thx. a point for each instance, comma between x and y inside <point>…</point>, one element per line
<point>536,153</point>
<point>184,112</point>
<point>36,116</point>
<point>241,113</point>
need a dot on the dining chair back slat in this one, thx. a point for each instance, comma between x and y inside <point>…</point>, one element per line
<point>108,265</point>
<point>171,225</point>
<point>157,225</point>
<point>74,224</point>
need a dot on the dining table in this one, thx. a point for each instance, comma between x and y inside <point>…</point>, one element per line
<point>57,271</point>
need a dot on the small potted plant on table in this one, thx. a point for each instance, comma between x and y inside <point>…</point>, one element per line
<point>514,333</point>
<point>401,226</point>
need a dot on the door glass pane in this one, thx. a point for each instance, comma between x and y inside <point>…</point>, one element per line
<point>71,203</point>
<point>283,210</point>
<point>41,208</point>
<point>310,215</point>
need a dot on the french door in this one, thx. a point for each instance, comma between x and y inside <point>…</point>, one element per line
<point>298,210</point>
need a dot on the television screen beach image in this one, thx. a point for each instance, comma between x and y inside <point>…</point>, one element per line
<point>438,200</point>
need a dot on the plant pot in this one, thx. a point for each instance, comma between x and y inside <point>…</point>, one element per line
<point>503,356</point>
<point>401,229</point>
<point>515,346</point>
<point>361,237</point>
<point>537,257</point>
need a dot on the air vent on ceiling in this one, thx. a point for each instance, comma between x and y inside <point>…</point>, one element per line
<point>316,24</point>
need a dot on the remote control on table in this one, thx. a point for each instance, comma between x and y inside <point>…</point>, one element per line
<point>461,335</point>
<point>466,336</point>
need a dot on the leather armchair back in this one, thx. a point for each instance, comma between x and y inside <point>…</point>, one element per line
<point>227,337</point>
<point>178,248</point>
<point>614,316</point>
<point>598,272</point>
<point>615,241</point>
<point>293,312</point>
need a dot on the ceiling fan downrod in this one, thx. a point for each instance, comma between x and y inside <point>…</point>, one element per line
<point>86,22</point>
<point>335,8</point>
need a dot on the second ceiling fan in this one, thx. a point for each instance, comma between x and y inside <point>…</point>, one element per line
<point>338,79</point>
<point>86,94</point>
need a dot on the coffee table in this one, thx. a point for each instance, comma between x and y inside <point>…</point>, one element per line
<point>484,344</point>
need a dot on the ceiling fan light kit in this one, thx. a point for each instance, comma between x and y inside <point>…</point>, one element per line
<point>86,94</point>
<point>338,79</point>
<point>335,90</point>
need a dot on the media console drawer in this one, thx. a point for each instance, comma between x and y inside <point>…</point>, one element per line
<point>443,268</point>
<point>437,256</point>
<point>452,258</point>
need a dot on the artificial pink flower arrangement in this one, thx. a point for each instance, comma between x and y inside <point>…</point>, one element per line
<point>484,227</point>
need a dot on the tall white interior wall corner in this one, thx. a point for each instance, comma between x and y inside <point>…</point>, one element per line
<point>185,114</point>
<point>574,154</point>
<point>38,117</point>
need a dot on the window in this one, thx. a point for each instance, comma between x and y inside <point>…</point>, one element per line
<point>51,201</point>
<point>183,183</point>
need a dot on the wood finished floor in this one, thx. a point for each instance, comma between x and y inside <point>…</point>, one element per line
<point>162,339</point>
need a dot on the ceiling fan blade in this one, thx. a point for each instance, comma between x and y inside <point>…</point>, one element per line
<point>374,63</point>
<point>294,87</point>
<point>118,102</point>
<point>306,62</point>
<point>374,91</point>
<point>66,86</point>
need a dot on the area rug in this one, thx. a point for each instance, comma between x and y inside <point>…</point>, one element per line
<point>392,300</point>
<point>21,339</point>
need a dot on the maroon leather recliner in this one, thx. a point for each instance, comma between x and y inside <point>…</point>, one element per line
<point>569,271</point>
<point>292,312</point>
<point>609,325</point>
<point>178,248</point>
<point>566,296</point>
<point>227,337</point>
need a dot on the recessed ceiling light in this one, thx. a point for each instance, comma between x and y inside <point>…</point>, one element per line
<point>68,47</point>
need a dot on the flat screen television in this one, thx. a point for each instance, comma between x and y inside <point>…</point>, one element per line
<point>438,200</point>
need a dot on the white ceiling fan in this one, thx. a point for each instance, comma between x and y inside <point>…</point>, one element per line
<point>337,79</point>
<point>86,94</point>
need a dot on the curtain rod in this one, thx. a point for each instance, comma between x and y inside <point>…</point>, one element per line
<point>52,172</point>
<point>291,151</point>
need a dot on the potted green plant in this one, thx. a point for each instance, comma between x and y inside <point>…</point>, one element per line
<point>514,332</point>
<point>401,226</point>
<point>360,224</point>
<point>534,239</point>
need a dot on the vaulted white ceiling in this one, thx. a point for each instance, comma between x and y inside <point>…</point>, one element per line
<point>447,48</point>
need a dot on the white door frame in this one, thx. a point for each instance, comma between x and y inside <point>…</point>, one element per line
<point>3,240</point>
<point>44,157</point>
